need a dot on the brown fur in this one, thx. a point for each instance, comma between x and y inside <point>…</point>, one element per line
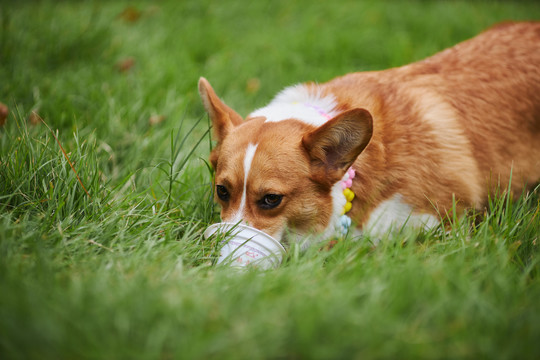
<point>456,123</point>
<point>453,126</point>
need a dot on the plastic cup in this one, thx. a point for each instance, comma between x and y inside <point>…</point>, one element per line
<point>246,246</point>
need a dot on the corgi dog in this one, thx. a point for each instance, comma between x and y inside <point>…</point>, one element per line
<point>374,151</point>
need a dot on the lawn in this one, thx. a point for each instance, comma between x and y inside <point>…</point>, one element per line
<point>105,192</point>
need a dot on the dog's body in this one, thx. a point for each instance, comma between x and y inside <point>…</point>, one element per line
<point>451,128</point>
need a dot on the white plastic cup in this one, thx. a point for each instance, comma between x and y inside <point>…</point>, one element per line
<point>246,246</point>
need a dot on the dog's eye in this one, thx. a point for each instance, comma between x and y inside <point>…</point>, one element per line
<point>222,193</point>
<point>270,201</point>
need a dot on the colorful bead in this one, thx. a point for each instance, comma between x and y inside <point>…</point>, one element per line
<point>349,195</point>
<point>345,223</point>
<point>346,183</point>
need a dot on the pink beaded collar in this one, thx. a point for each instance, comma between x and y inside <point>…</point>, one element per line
<point>346,183</point>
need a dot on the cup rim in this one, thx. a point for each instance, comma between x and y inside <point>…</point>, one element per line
<point>212,229</point>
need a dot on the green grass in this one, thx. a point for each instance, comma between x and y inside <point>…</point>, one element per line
<point>123,270</point>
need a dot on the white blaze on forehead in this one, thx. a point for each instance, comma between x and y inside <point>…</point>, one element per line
<point>307,104</point>
<point>248,159</point>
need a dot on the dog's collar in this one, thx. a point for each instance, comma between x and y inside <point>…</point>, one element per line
<point>346,183</point>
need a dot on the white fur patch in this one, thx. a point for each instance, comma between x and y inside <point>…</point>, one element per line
<point>248,159</point>
<point>301,103</point>
<point>394,213</point>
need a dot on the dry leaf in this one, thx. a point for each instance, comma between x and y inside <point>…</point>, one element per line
<point>4,111</point>
<point>156,119</point>
<point>34,118</point>
<point>130,14</point>
<point>125,65</point>
<point>253,85</point>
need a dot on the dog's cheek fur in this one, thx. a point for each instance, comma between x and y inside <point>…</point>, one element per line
<point>310,212</point>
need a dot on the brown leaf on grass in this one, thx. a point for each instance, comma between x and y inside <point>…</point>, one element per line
<point>125,64</point>
<point>253,85</point>
<point>156,119</point>
<point>130,14</point>
<point>4,111</point>
<point>34,118</point>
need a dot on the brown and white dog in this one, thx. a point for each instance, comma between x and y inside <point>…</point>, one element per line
<point>451,128</point>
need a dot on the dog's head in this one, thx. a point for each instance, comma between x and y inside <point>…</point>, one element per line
<point>275,175</point>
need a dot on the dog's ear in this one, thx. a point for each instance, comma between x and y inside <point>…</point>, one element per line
<point>334,146</point>
<point>223,118</point>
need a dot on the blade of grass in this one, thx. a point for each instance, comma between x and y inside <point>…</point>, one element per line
<point>66,156</point>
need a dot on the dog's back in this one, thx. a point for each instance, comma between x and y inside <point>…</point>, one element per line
<point>493,83</point>
<point>457,123</point>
